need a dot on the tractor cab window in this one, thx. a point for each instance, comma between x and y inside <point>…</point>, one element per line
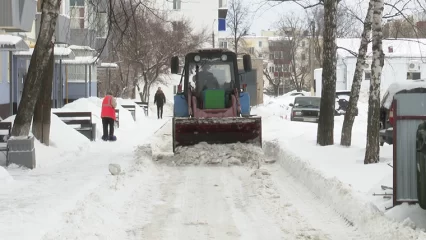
<point>211,74</point>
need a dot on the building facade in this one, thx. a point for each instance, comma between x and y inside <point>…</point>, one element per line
<point>207,15</point>
<point>79,32</point>
<point>404,61</point>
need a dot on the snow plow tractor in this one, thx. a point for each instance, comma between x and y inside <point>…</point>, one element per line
<point>210,105</point>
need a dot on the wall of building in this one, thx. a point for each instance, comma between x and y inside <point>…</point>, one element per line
<point>203,14</point>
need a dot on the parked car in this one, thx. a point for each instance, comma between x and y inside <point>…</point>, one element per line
<point>387,106</point>
<point>305,109</point>
<point>342,102</point>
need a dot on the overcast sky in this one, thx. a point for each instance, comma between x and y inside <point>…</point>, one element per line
<point>266,14</point>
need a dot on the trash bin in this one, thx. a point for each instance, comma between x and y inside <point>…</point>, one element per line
<point>421,164</point>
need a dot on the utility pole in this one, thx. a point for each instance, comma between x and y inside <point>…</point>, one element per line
<point>311,55</point>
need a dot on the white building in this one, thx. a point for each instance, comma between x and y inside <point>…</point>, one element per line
<point>404,61</point>
<point>203,14</point>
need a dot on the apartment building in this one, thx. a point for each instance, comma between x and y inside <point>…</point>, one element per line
<point>19,28</point>
<point>203,14</point>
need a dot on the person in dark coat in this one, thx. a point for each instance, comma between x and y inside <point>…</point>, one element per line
<point>159,99</point>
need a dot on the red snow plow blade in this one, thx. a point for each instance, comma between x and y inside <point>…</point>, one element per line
<point>190,131</point>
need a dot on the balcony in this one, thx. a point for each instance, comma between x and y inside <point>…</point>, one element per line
<point>62,30</point>
<point>17,15</point>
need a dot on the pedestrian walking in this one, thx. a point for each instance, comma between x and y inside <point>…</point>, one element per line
<point>108,117</point>
<point>159,99</point>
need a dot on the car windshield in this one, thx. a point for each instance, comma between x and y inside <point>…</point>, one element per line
<point>311,102</point>
<point>212,74</point>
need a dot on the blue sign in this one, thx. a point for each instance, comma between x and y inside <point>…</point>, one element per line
<point>221,24</point>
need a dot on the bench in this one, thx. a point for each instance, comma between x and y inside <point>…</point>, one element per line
<point>117,118</point>
<point>86,125</point>
<point>131,109</point>
<point>143,105</point>
<point>5,126</point>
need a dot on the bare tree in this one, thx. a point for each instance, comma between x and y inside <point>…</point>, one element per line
<point>274,82</point>
<point>325,134</point>
<point>148,44</point>
<point>295,32</point>
<point>346,137</point>
<point>237,21</point>
<point>373,127</point>
<point>39,65</point>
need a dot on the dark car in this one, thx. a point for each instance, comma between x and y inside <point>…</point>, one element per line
<point>305,109</point>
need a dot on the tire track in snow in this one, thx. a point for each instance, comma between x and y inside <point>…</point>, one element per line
<point>281,191</point>
<point>194,207</point>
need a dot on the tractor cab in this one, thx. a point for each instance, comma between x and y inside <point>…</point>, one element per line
<point>211,83</point>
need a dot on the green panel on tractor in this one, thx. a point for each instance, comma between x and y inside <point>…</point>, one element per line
<point>214,99</point>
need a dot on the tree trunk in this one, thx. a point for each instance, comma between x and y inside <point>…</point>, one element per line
<point>38,66</point>
<point>42,110</point>
<point>372,149</point>
<point>346,137</point>
<point>328,93</point>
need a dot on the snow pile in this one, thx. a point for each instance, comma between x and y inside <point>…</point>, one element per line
<point>279,104</point>
<point>218,154</point>
<point>5,176</point>
<point>63,139</point>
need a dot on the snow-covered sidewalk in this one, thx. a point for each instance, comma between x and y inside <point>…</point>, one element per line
<point>72,179</point>
<point>337,174</point>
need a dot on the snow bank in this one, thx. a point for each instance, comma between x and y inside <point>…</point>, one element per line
<point>5,177</point>
<point>337,174</point>
<point>63,139</point>
<point>339,195</point>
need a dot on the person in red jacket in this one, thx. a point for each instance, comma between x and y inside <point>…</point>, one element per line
<point>108,117</point>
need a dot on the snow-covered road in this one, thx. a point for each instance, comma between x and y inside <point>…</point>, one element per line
<point>222,201</point>
<point>207,202</point>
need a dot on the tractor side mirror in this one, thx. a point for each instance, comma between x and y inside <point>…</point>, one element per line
<point>174,65</point>
<point>247,63</point>
<point>291,105</point>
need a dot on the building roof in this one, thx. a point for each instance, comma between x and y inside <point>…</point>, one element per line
<point>415,48</point>
<point>12,43</point>
<point>59,53</point>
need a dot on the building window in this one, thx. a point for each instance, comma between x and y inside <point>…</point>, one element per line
<point>271,56</point>
<point>276,55</point>
<point>176,4</point>
<point>413,75</point>
<point>77,15</point>
<point>223,3</point>
<point>251,50</point>
<point>223,44</point>
<point>75,3</point>
<point>367,75</point>
<point>303,57</point>
<point>260,44</point>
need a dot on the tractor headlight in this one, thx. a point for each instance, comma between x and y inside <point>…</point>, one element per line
<point>197,58</point>
<point>297,113</point>
<point>224,57</point>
